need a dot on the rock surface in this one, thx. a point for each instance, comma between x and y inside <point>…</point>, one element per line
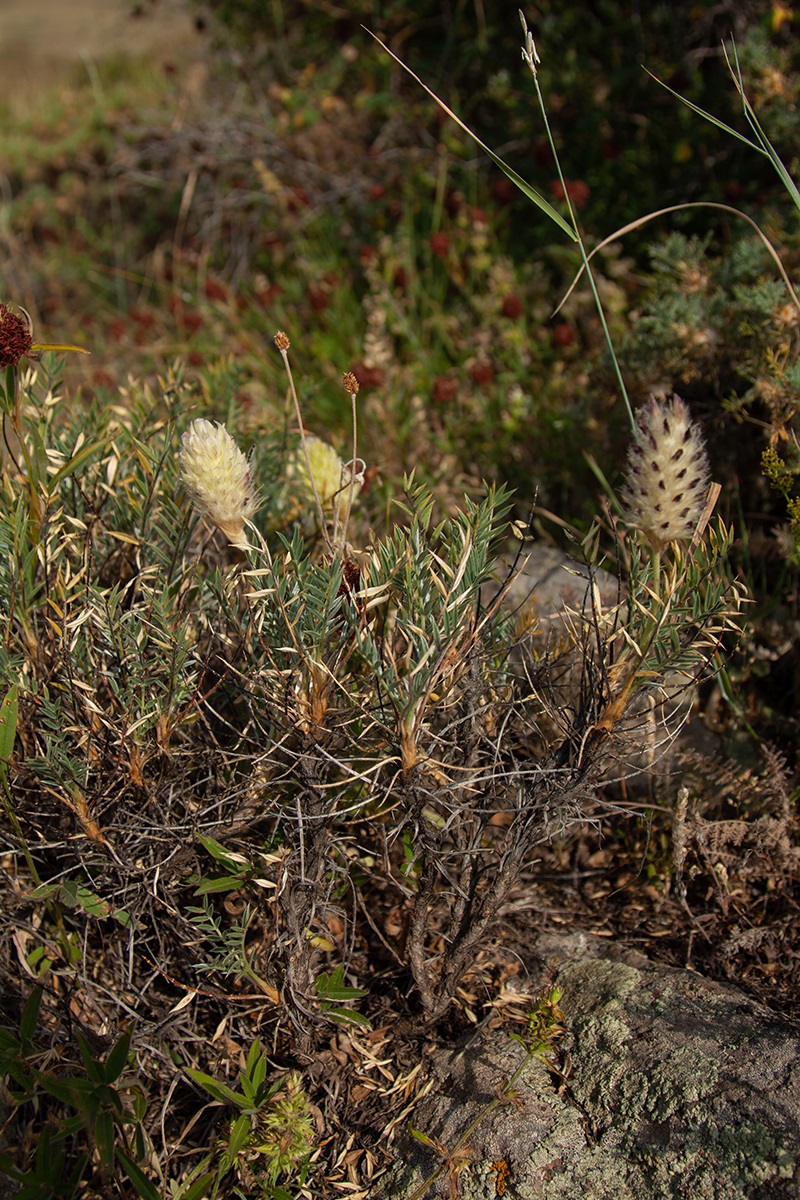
<point>679,1088</point>
<point>546,582</point>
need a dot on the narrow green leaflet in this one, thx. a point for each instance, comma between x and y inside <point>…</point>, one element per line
<point>56,347</point>
<point>9,712</point>
<point>144,1187</point>
<point>220,883</point>
<point>75,463</point>
<point>30,1016</point>
<point>239,1135</point>
<point>220,1091</point>
<point>347,1016</point>
<point>199,1188</point>
<point>117,1058</point>
<point>76,895</point>
<point>331,987</point>
<point>332,991</point>
<point>104,1138</point>
<point>8,392</point>
<point>228,858</point>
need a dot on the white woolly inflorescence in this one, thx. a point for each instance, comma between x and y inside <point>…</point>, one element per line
<point>216,476</point>
<point>666,483</point>
<point>332,479</point>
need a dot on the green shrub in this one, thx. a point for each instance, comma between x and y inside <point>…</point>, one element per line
<point>298,730</point>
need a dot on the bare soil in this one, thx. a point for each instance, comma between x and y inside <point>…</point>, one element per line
<point>43,42</point>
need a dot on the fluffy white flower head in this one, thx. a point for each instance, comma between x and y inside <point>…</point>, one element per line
<point>332,479</point>
<point>216,476</point>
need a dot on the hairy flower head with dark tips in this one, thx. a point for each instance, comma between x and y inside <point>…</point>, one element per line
<point>667,479</point>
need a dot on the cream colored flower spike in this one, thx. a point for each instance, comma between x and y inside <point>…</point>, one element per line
<point>216,476</point>
<point>667,479</point>
<point>332,479</point>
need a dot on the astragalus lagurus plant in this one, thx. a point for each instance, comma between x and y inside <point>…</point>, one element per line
<point>403,764</point>
<point>290,752</point>
<point>338,718</point>
<point>316,763</point>
<point>677,600</point>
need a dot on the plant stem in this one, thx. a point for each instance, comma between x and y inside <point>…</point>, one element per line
<point>531,59</point>
<point>317,503</point>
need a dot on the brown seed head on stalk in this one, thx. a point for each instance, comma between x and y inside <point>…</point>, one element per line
<point>216,476</point>
<point>15,337</point>
<point>667,479</point>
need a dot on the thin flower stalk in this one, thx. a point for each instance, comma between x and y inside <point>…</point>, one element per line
<point>352,386</point>
<point>282,344</point>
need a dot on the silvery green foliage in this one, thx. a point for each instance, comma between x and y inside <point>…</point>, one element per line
<point>354,731</point>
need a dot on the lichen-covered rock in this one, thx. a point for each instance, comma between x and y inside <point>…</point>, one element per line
<point>679,1088</point>
<point>545,584</point>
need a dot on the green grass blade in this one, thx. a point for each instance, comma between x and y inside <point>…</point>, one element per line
<point>30,1016</point>
<point>600,476</point>
<point>766,145</point>
<point>701,112</point>
<point>516,179</point>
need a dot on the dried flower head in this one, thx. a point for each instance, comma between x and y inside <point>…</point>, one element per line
<point>350,383</point>
<point>15,337</point>
<point>667,478</point>
<point>216,476</point>
<point>282,341</point>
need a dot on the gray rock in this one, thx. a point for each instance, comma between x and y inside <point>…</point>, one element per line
<point>561,607</point>
<point>679,1088</point>
<point>547,583</point>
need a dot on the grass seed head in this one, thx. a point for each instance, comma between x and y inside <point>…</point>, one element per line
<point>667,477</point>
<point>350,383</point>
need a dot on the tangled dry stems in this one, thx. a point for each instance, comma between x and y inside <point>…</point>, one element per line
<point>284,777</point>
